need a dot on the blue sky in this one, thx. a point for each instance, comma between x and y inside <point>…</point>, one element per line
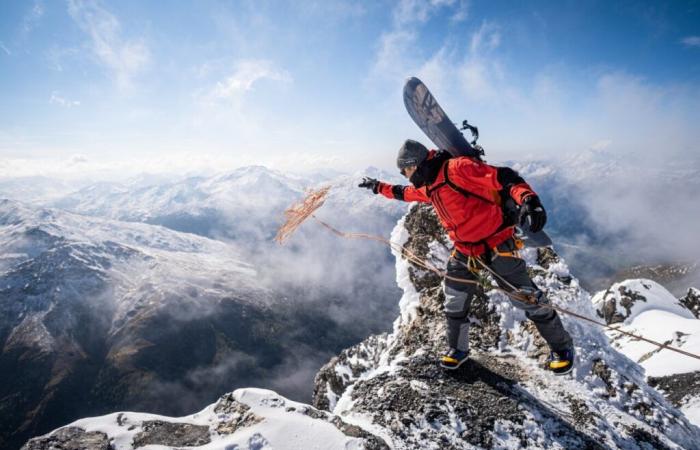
<point>201,85</point>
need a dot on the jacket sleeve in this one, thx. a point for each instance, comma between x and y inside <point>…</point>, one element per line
<point>404,193</point>
<point>475,174</point>
<point>514,184</point>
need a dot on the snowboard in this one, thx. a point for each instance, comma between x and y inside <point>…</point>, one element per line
<point>432,120</point>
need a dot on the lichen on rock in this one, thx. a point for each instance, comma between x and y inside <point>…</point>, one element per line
<point>70,438</point>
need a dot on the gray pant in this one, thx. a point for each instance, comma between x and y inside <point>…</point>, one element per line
<point>458,298</point>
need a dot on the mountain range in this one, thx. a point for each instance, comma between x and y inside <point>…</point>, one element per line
<point>388,392</point>
<point>137,289</point>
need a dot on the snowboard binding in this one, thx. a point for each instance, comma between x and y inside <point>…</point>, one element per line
<point>475,136</point>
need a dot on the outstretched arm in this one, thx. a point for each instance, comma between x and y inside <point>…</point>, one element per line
<point>397,192</point>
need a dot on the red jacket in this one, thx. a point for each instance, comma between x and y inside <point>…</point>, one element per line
<point>469,208</point>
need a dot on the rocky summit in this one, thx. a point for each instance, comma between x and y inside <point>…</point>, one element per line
<point>388,392</point>
<point>502,398</point>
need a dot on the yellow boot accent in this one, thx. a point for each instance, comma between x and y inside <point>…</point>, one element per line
<point>558,364</point>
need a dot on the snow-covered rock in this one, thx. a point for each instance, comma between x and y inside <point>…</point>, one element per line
<point>502,398</point>
<point>624,301</point>
<point>246,419</point>
<point>691,300</point>
<point>647,309</point>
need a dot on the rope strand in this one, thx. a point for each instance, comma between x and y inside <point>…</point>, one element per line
<point>513,294</point>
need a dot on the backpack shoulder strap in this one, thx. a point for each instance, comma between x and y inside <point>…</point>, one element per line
<point>460,189</point>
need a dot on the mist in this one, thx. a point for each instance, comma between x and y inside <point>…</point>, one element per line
<point>609,213</point>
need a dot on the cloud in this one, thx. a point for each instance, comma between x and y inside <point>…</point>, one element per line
<point>408,11</point>
<point>32,18</point>
<point>397,54</point>
<point>485,39</point>
<point>691,41</point>
<point>601,145</point>
<point>124,58</point>
<point>56,99</point>
<point>4,48</point>
<point>78,159</point>
<point>393,57</point>
<point>246,75</point>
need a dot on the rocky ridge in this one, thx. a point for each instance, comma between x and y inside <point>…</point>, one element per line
<point>501,398</point>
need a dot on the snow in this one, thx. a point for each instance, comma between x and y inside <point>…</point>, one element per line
<point>691,409</point>
<point>665,327</point>
<point>284,426</point>
<point>410,300</point>
<point>659,317</point>
<point>656,298</point>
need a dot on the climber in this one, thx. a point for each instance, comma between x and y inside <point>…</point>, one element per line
<point>467,195</point>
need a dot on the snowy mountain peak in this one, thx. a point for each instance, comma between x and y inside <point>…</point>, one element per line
<point>244,419</point>
<point>623,302</point>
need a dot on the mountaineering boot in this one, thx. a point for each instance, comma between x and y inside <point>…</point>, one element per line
<point>561,362</point>
<point>453,359</point>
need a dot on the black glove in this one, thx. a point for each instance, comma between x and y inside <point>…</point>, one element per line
<point>370,183</point>
<point>532,209</point>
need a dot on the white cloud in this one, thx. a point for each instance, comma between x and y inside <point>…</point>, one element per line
<point>4,48</point>
<point>57,99</point>
<point>485,39</point>
<point>32,18</point>
<point>246,75</point>
<point>601,145</point>
<point>462,12</point>
<point>77,159</point>
<point>691,41</point>
<point>394,57</point>
<point>408,11</point>
<point>125,58</point>
<point>397,56</point>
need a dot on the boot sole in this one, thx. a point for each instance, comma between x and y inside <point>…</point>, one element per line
<point>559,374</point>
<point>454,367</point>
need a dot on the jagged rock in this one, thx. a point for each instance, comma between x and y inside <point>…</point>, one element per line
<point>609,310</point>
<point>691,301</point>
<point>678,387</point>
<point>500,398</point>
<point>335,377</point>
<point>239,414</point>
<point>158,432</point>
<point>70,438</point>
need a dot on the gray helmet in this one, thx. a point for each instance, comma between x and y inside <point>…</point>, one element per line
<point>411,153</point>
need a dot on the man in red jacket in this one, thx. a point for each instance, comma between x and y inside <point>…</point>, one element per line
<point>468,195</point>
